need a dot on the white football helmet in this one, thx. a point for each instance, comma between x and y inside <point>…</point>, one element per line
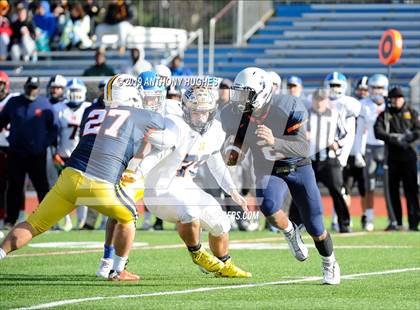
<point>76,92</point>
<point>122,90</point>
<point>252,89</point>
<point>163,71</point>
<point>199,105</point>
<point>378,88</point>
<point>336,83</point>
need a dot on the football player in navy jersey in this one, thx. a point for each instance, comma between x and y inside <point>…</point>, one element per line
<point>273,129</point>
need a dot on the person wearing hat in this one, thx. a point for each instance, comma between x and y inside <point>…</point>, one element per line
<point>399,127</point>
<point>33,127</point>
<point>295,89</point>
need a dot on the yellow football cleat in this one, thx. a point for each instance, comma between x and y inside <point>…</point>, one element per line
<point>204,259</point>
<point>232,271</point>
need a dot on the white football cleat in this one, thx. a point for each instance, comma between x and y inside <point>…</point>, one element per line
<point>331,273</point>
<point>296,245</point>
<point>104,267</point>
<point>67,226</point>
<point>369,226</point>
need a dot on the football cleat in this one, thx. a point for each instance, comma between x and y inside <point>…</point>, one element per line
<point>369,226</point>
<point>67,226</point>
<point>331,273</point>
<point>124,275</point>
<point>207,261</point>
<point>146,225</point>
<point>296,245</point>
<point>229,270</point>
<point>104,267</point>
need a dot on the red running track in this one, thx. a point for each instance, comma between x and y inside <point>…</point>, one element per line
<point>355,210</point>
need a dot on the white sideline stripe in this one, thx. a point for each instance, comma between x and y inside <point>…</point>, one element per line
<point>207,289</point>
<point>180,245</point>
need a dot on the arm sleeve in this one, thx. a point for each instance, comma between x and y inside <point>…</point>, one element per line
<point>220,172</point>
<point>293,145</point>
<point>381,134</point>
<point>348,140</point>
<point>341,132</point>
<point>156,121</point>
<point>360,132</point>
<point>294,116</point>
<point>416,125</point>
<point>53,126</point>
<point>380,130</point>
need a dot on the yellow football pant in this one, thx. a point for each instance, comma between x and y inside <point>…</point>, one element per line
<point>73,189</point>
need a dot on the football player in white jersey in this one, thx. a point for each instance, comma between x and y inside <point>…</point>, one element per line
<point>5,95</point>
<point>349,108</point>
<point>372,107</point>
<point>70,114</point>
<point>171,194</point>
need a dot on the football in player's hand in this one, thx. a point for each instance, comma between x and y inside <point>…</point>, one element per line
<point>232,154</point>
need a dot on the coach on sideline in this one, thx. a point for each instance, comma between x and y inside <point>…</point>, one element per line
<point>399,127</point>
<point>33,127</point>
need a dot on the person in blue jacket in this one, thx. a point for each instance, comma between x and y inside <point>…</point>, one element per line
<point>33,127</point>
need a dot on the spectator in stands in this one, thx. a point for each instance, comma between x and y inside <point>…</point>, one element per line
<point>76,29</point>
<point>92,9</point>
<point>400,129</point>
<point>117,21</point>
<point>295,88</point>
<point>22,44</point>
<point>5,30</point>
<point>100,68</point>
<point>46,24</point>
<point>33,127</point>
<point>60,11</point>
<point>138,63</point>
<point>177,67</point>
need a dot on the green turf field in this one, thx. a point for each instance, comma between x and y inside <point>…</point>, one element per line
<point>380,271</point>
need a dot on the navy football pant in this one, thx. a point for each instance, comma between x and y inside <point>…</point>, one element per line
<point>305,194</point>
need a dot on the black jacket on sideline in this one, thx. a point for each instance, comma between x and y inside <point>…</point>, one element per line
<point>404,129</point>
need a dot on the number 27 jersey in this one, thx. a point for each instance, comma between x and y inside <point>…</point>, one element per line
<point>109,140</point>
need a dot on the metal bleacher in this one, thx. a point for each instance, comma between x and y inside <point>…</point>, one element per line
<point>313,40</point>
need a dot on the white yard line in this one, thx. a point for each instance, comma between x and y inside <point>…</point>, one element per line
<point>207,289</point>
<point>234,245</point>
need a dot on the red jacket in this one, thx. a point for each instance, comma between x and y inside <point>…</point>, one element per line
<point>5,26</point>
